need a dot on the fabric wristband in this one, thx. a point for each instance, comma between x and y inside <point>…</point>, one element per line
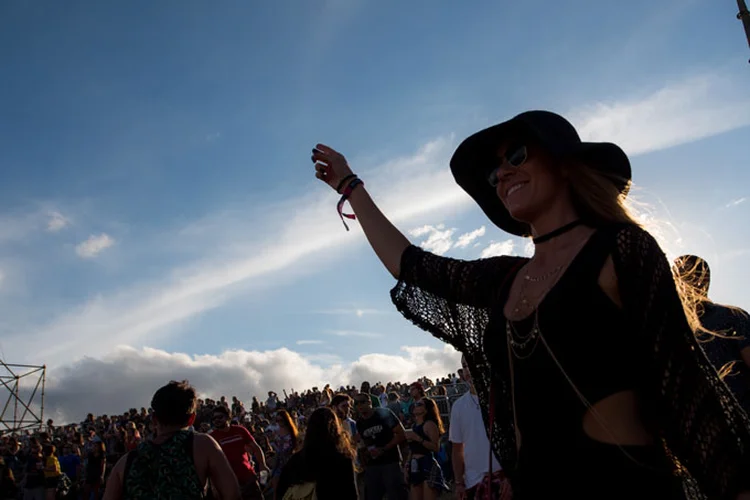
<point>345,196</point>
<point>344,181</point>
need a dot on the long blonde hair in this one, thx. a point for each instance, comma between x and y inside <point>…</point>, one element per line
<point>598,201</point>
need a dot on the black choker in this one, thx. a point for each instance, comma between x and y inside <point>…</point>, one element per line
<point>557,232</point>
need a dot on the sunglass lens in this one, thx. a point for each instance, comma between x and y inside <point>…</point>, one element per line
<point>517,156</point>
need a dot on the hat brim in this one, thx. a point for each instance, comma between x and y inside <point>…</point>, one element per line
<point>476,157</point>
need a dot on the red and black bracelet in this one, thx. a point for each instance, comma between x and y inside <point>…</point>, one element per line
<point>355,181</point>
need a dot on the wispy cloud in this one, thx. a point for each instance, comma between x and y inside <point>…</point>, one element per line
<point>354,333</point>
<point>684,111</point>
<point>498,248</point>
<point>467,239</point>
<point>309,342</point>
<point>57,222</point>
<point>439,241</point>
<point>736,202</point>
<point>94,245</point>
<point>351,312</point>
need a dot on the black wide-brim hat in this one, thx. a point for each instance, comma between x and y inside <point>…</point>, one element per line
<point>476,157</point>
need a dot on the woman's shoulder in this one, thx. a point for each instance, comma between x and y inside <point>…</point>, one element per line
<point>632,240</point>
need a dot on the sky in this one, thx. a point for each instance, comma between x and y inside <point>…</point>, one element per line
<point>160,219</point>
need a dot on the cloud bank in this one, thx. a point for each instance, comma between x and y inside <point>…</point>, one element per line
<point>127,377</point>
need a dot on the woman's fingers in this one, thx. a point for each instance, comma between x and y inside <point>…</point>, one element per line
<point>325,149</point>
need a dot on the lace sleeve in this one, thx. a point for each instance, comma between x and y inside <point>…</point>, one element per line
<point>702,425</point>
<point>449,298</point>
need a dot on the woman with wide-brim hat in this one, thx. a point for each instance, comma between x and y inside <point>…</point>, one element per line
<point>590,379</point>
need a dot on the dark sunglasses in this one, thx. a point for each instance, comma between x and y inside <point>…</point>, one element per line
<point>515,156</point>
<point>419,403</point>
<point>218,417</point>
<point>361,401</point>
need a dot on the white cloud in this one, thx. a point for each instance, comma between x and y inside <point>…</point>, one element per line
<point>309,342</point>
<point>529,249</point>
<point>467,239</point>
<point>128,377</point>
<point>439,239</point>
<point>688,110</point>
<point>736,202</point>
<point>94,245</point>
<point>496,249</point>
<point>56,222</point>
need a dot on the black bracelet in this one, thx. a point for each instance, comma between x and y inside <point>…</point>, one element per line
<point>343,181</point>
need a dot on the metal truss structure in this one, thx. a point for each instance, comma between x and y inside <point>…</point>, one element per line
<point>24,387</point>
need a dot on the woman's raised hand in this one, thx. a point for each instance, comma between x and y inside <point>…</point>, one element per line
<point>330,165</point>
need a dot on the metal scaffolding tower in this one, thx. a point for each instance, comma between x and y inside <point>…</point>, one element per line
<point>24,406</point>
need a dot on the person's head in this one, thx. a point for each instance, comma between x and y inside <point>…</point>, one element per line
<point>536,186</point>
<point>325,436</point>
<point>285,422</point>
<point>416,390</point>
<point>427,410</point>
<point>363,404</point>
<point>365,387</point>
<point>174,405</point>
<point>694,273</point>
<point>49,450</point>
<point>220,417</point>
<point>341,405</point>
<point>533,173</point>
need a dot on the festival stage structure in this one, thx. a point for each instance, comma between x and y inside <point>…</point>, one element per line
<point>23,405</point>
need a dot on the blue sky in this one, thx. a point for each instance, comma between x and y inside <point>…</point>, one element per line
<point>157,196</point>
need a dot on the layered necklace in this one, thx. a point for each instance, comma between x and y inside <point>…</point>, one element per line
<point>522,344</point>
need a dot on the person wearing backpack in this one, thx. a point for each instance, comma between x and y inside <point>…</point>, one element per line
<point>324,468</point>
<point>177,463</point>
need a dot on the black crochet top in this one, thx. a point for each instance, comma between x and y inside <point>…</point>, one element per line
<point>704,429</point>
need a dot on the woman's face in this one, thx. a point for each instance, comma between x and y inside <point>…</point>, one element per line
<point>343,409</point>
<point>420,409</point>
<point>528,181</point>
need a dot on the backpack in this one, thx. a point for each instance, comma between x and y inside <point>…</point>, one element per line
<point>304,491</point>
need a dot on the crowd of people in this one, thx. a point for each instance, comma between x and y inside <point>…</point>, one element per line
<point>76,460</point>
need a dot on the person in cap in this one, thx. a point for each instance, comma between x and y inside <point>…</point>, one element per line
<point>725,333</point>
<point>588,372</point>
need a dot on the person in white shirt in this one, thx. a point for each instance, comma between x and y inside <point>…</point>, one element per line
<point>471,448</point>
